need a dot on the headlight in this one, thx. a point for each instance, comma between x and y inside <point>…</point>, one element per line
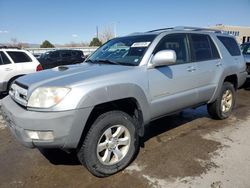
<point>47,97</point>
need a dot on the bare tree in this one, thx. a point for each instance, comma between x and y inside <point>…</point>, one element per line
<point>22,45</point>
<point>106,34</point>
<point>14,41</point>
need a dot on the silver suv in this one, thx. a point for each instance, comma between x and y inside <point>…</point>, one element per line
<point>100,107</point>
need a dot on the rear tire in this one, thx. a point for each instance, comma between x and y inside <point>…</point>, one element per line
<point>222,107</point>
<point>110,145</point>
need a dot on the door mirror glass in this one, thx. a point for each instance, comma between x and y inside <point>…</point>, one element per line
<point>163,58</point>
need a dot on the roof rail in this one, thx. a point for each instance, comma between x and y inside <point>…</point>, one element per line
<point>187,28</point>
<point>162,29</point>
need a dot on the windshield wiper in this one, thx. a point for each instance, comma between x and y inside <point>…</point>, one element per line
<point>108,61</point>
<point>89,60</point>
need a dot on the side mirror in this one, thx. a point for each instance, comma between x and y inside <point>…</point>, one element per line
<point>163,58</point>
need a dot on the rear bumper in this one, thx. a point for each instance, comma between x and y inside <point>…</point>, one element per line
<point>242,78</point>
<point>248,70</point>
<point>67,126</point>
<point>3,86</point>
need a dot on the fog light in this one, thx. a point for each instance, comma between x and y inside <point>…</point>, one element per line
<point>40,135</point>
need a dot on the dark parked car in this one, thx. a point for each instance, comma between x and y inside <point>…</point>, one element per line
<point>56,58</point>
<point>245,48</point>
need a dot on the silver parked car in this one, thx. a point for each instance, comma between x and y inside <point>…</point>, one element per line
<point>100,107</point>
<point>245,48</point>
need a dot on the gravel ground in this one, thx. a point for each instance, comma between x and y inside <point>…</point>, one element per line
<point>184,150</point>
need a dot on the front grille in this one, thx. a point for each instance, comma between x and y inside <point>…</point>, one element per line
<point>18,93</point>
<point>248,68</point>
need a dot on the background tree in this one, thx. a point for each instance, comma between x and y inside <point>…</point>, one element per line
<point>46,44</point>
<point>95,42</point>
<point>106,34</point>
<point>14,41</point>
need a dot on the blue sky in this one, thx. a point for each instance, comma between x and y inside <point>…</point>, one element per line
<point>63,21</point>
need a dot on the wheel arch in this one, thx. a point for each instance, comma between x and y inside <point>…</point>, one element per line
<point>229,78</point>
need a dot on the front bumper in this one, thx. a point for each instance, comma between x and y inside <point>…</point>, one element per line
<point>67,126</point>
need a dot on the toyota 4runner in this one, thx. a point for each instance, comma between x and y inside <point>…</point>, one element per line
<point>100,107</point>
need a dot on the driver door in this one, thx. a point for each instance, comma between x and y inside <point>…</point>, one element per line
<point>173,87</point>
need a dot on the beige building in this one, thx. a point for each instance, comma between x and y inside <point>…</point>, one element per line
<point>241,33</point>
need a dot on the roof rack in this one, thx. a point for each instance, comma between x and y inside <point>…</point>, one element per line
<point>9,47</point>
<point>186,28</point>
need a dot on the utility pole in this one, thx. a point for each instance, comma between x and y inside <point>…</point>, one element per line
<point>97,34</point>
<point>115,29</point>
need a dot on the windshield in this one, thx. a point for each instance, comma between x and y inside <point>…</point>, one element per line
<point>123,51</point>
<point>245,48</point>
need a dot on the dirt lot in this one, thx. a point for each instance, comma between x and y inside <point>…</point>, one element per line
<point>184,150</point>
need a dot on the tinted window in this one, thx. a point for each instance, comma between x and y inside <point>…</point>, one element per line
<point>4,59</point>
<point>19,57</point>
<point>77,53</point>
<point>231,45</point>
<point>245,49</point>
<point>54,55</point>
<point>202,49</point>
<point>215,52</point>
<point>66,53</point>
<point>176,42</point>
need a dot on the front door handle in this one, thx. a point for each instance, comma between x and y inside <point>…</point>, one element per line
<point>191,69</point>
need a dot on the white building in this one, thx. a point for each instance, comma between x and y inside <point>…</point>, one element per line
<point>242,33</point>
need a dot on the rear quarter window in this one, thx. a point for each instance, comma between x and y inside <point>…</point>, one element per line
<point>4,59</point>
<point>231,45</point>
<point>19,57</point>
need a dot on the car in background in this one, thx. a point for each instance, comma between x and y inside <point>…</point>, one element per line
<point>57,58</point>
<point>15,63</point>
<point>245,48</point>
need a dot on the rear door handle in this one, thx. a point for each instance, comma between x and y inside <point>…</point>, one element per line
<point>218,64</point>
<point>8,69</point>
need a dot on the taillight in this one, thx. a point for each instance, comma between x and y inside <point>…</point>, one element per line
<point>39,68</point>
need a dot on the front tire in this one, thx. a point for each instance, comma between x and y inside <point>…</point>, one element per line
<point>110,145</point>
<point>224,104</point>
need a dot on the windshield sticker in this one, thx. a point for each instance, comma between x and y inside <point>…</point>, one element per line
<point>140,44</point>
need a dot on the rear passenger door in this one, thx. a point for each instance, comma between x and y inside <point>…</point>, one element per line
<point>22,62</point>
<point>66,57</point>
<point>209,65</point>
<point>173,87</point>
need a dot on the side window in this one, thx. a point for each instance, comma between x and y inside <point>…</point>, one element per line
<point>245,49</point>
<point>203,48</point>
<point>65,53</point>
<point>4,59</point>
<point>74,53</point>
<point>19,57</point>
<point>54,55</point>
<point>215,52</point>
<point>231,45</point>
<point>176,42</point>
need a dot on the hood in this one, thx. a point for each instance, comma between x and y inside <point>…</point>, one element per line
<point>71,75</point>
